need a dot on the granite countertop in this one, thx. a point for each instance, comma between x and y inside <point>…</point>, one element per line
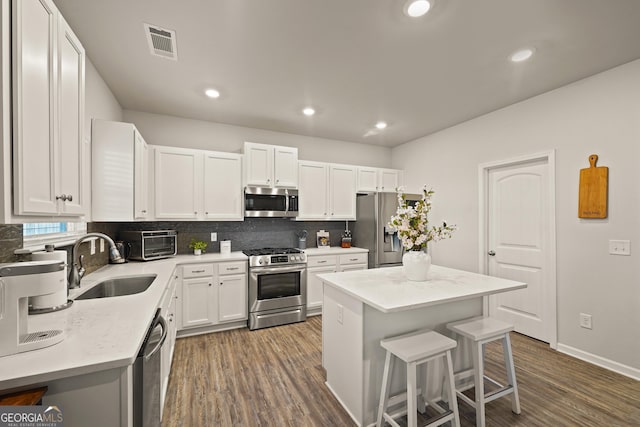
<point>387,289</point>
<point>101,334</point>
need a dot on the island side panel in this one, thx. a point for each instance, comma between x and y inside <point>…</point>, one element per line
<point>342,338</point>
<point>379,325</point>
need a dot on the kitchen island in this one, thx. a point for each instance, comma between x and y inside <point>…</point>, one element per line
<point>362,307</point>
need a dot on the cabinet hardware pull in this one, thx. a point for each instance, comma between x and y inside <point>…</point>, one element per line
<point>322,262</point>
<point>209,284</point>
<point>353,259</point>
<point>232,268</point>
<point>144,211</point>
<point>491,253</point>
<point>197,271</point>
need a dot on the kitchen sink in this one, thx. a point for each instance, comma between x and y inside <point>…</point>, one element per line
<point>119,286</point>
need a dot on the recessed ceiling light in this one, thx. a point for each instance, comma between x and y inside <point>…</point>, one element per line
<point>381,125</point>
<point>417,8</point>
<point>522,55</point>
<point>308,111</point>
<point>212,93</point>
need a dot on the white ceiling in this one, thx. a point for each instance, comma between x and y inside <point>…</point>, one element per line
<point>355,61</point>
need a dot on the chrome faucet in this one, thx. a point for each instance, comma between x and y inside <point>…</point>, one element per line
<point>77,269</point>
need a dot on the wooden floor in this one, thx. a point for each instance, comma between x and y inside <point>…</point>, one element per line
<point>273,377</point>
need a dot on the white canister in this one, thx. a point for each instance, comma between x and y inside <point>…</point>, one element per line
<point>225,246</point>
<point>60,296</point>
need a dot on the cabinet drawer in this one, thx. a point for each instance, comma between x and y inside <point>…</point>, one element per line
<point>197,270</point>
<point>353,258</point>
<point>320,261</point>
<point>237,267</point>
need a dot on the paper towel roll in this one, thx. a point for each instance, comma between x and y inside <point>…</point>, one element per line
<point>60,296</point>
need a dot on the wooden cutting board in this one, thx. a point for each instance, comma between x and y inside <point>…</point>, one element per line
<point>594,181</point>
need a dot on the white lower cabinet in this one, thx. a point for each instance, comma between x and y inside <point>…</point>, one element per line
<point>197,296</point>
<point>213,293</point>
<point>168,312</point>
<point>322,263</point>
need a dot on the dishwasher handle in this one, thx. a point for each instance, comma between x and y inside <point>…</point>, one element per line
<point>163,324</point>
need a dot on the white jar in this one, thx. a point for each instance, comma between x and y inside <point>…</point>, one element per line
<point>416,265</point>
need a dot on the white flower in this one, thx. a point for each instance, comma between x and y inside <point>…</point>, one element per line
<point>412,225</point>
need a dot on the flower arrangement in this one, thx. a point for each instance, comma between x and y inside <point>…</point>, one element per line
<point>412,224</point>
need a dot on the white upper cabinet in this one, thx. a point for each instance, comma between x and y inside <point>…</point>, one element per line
<point>197,185</point>
<point>271,165</point>
<point>389,180</point>
<point>48,112</point>
<point>367,179</point>
<point>313,189</point>
<point>223,186</point>
<point>178,179</point>
<point>342,192</point>
<point>377,179</point>
<point>326,191</point>
<point>140,177</point>
<point>119,183</point>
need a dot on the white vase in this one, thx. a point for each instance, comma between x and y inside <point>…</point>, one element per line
<point>197,251</point>
<point>416,265</point>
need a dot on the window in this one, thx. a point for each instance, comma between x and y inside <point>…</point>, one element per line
<point>38,234</point>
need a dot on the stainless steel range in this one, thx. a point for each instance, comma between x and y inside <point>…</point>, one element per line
<point>277,286</point>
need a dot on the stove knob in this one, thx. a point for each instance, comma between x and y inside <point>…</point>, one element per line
<point>260,261</point>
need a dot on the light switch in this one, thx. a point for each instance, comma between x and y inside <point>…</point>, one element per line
<point>620,247</point>
<point>214,237</point>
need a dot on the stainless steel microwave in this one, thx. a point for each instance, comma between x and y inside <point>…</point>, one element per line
<point>150,245</point>
<point>270,202</point>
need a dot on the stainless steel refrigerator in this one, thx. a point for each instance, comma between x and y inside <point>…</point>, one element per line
<point>372,232</point>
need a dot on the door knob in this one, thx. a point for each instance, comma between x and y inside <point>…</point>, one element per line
<point>491,253</point>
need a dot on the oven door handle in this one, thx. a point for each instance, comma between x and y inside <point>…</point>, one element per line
<point>283,269</point>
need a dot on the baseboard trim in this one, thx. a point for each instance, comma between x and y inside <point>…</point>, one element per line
<point>619,368</point>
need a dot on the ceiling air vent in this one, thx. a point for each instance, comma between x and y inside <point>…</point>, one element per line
<point>162,42</point>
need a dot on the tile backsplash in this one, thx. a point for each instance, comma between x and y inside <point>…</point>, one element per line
<point>252,233</point>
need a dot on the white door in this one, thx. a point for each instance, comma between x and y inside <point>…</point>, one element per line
<point>223,186</point>
<point>315,292</point>
<point>342,191</point>
<point>178,176</point>
<point>71,120</point>
<point>519,240</point>
<point>35,95</point>
<point>232,298</point>
<point>367,179</point>
<point>286,167</point>
<point>140,173</point>
<point>197,304</point>
<point>313,190</point>
<point>389,180</point>
<point>259,164</point>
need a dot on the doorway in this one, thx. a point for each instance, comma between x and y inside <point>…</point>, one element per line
<point>518,242</point>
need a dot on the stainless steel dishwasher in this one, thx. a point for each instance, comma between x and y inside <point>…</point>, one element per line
<point>147,381</point>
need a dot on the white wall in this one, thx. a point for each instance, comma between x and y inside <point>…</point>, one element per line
<point>180,132</point>
<point>99,101</point>
<point>598,115</point>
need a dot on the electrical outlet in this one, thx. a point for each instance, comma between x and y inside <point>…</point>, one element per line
<point>340,313</point>
<point>214,237</point>
<point>585,321</point>
<point>101,245</point>
<point>92,245</point>
<point>620,247</point>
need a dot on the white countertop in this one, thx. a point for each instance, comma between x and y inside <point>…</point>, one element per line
<point>102,333</point>
<point>387,289</point>
<point>334,250</point>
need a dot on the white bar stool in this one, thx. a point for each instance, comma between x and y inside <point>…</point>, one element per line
<point>480,331</point>
<point>415,349</point>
